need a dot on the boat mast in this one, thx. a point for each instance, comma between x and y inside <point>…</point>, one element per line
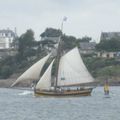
<point>59,49</point>
<point>58,60</point>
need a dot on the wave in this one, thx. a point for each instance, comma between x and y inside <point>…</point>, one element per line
<point>26,92</point>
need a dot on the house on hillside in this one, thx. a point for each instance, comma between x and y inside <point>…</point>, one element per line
<point>109,35</point>
<point>6,38</point>
<point>106,54</point>
<point>106,36</point>
<point>50,43</point>
<point>87,47</point>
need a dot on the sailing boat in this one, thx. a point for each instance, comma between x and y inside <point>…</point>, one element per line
<point>71,73</point>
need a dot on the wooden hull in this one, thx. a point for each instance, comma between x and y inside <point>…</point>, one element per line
<point>84,92</point>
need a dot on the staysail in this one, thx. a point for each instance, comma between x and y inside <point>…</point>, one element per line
<point>45,81</point>
<point>33,73</point>
<point>72,70</point>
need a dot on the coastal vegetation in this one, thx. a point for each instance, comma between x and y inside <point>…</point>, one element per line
<point>102,66</point>
<point>30,50</point>
<point>109,45</point>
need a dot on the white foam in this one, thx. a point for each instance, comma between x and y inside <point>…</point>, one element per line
<point>26,92</point>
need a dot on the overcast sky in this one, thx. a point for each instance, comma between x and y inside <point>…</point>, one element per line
<point>85,17</point>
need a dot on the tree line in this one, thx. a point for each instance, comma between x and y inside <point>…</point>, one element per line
<point>30,50</point>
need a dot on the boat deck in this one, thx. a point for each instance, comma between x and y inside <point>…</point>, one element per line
<point>84,92</point>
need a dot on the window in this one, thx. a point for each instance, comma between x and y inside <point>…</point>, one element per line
<point>62,78</point>
<point>108,56</point>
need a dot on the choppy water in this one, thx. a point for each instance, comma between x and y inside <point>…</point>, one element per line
<point>22,105</point>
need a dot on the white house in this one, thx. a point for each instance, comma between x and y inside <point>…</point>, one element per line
<point>87,47</point>
<point>6,38</point>
<point>107,54</point>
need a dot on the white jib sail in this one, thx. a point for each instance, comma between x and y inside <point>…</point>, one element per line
<point>45,81</point>
<point>72,70</point>
<point>33,73</point>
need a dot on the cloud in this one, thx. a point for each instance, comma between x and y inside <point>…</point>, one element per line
<point>85,17</point>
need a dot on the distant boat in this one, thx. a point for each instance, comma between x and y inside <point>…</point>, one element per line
<point>70,75</point>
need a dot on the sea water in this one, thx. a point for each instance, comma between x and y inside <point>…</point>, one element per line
<point>23,105</point>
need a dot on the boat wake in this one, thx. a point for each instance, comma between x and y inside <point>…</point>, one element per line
<point>26,92</point>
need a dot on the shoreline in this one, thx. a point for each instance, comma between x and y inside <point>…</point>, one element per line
<point>6,83</point>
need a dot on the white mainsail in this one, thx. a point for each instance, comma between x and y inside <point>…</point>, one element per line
<point>33,73</point>
<point>72,70</point>
<point>45,81</point>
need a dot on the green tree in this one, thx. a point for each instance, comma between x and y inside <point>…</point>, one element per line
<point>85,39</point>
<point>26,42</point>
<point>5,71</point>
<point>68,42</point>
<point>109,45</point>
<point>51,32</point>
<point>109,72</point>
<point>15,42</point>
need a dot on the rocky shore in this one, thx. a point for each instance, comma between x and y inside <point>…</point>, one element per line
<point>6,83</point>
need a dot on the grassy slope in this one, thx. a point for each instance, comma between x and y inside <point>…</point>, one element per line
<point>102,69</point>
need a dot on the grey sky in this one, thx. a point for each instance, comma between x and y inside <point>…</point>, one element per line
<point>85,17</point>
